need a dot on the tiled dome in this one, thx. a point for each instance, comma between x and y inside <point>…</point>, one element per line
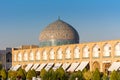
<point>58,33</point>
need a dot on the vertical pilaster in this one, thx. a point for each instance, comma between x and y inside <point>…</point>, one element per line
<point>101,66</point>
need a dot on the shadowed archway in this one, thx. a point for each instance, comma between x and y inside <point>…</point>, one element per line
<point>95,65</point>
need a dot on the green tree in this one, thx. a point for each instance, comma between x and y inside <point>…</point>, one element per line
<point>105,77</point>
<point>72,76</point>
<point>96,75</point>
<point>30,74</point>
<point>12,75</point>
<point>77,75</point>
<point>114,75</point>
<point>42,73</point>
<point>87,75</point>
<point>24,72</point>
<point>60,74</point>
<point>34,73</point>
<point>118,75</point>
<point>4,74</point>
<point>21,74</point>
<point>50,75</point>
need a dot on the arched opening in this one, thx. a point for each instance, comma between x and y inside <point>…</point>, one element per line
<point>107,50</point>
<point>77,52</point>
<point>25,56</point>
<point>106,66</point>
<point>44,55</point>
<point>52,55</point>
<point>96,51</point>
<point>96,65</point>
<point>19,56</point>
<point>59,54</point>
<point>68,53</point>
<point>37,55</point>
<point>31,57</point>
<point>117,49</point>
<point>86,52</point>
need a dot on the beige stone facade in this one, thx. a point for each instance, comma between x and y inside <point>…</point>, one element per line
<point>99,54</point>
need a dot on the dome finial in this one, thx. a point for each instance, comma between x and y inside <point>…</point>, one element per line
<point>58,17</point>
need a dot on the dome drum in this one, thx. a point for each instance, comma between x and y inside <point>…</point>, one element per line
<point>57,42</point>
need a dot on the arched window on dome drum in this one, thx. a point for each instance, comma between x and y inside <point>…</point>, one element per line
<point>68,53</point>
<point>52,55</point>
<point>15,57</point>
<point>117,49</point>
<point>107,50</point>
<point>96,51</point>
<point>19,56</point>
<point>25,56</point>
<point>77,52</point>
<point>59,53</point>
<point>86,52</point>
<point>38,55</point>
<point>44,55</point>
<point>31,55</point>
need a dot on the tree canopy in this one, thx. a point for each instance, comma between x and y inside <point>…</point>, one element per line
<point>4,74</point>
<point>96,75</point>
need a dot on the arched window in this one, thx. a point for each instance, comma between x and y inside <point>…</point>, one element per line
<point>25,56</point>
<point>68,53</point>
<point>31,55</point>
<point>38,55</point>
<point>77,52</point>
<point>52,55</point>
<point>86,52</point>
<point>117,49</point>
<point>96,51</point>
<point>44,55</point>
<point>59,53</point>
<point>19,56</point>
<point>107,50</point>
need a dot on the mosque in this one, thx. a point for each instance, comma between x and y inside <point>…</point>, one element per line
<point>59,47</point>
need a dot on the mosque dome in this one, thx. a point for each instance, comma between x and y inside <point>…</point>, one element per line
<point>58,33</point>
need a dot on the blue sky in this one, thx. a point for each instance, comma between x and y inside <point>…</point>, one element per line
<point>21,21</point>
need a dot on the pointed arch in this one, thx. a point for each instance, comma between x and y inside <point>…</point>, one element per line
<point>96,65</point>
<point>19,56</point>
<point>31,57</point>
<point>38,55</point>
<point>25,58</point>
<point>52,54</point>
<point>117,49</point>
<point>106,66</point>
<point>76,52</point>
<point>86,52</point>
<point>59,53</point>
<point>107,50</point>
<point>96,51</point>
<point>44,55</point>
<point>68,53</point>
